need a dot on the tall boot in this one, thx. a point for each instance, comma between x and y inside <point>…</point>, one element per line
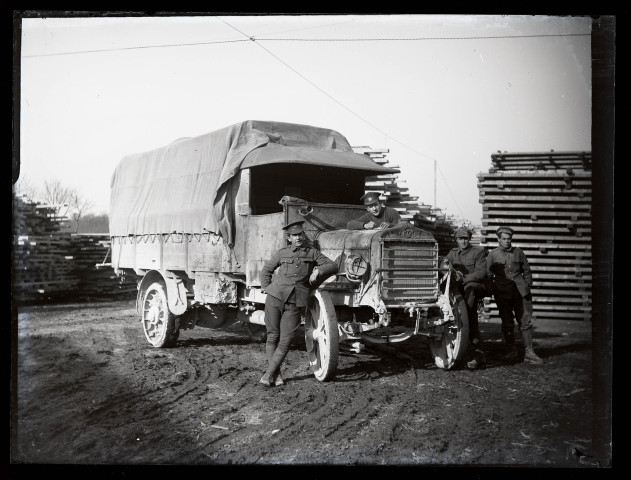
<point>273,369</point>
<point>476,356</point>
<point>268,378</point>
<point>529,354</point>
<point>511,350</point>
<point>276,378</point>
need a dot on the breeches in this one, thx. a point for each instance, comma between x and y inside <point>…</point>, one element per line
<point>472,293</point>
<point>513,302</point>
<point>281,321</point>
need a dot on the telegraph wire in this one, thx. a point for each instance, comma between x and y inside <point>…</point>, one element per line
<point>257,39</point>
<point>415,39</point>
<point>132,48</point>
<point>346,108</point>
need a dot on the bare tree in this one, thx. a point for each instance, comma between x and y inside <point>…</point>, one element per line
<point>67,201</point>
<point>25,188</point>
<point>78,206</point>
<point>57,195</point>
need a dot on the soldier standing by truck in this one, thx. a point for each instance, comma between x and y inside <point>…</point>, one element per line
<point>301,268</point>
<point>469,262</point>
<point>512,281</point>
<point>376,217</point>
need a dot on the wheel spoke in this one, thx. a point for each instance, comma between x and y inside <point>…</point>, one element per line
<point>319,334</point>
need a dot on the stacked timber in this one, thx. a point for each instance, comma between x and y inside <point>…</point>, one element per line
<point>42,268</point>
<point>52,264</point>
<point>42,265</point>
<point>35,218</point>
<point>397,196</point>
<point>546,199</point>
<point>476,235</point>
<point>91,253</point>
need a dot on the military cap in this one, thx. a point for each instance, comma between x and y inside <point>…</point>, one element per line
<point>294,227</point>
<point>462,232</point>
<point>501,230</point>
<point>370,198</point>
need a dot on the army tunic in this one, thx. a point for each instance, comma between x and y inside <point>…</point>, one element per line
<point>295,265</point>
<point>470,261</point>
<point>508,268</point>
<point>387,214</point>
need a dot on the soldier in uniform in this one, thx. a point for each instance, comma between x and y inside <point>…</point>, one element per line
<point>301,268</point>
<point>512,280</point>
<point>376,217</point>
<point>469,263</point>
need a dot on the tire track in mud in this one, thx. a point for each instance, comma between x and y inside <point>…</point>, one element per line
<point>91,390</point>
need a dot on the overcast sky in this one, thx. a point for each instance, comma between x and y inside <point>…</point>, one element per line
<point>445,89</point>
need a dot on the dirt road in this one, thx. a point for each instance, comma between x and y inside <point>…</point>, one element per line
<point>90,390</point>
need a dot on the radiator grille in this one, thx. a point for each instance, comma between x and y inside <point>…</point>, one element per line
<point>409,271</point>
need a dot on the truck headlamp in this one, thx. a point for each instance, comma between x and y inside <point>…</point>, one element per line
<point>355,267</point>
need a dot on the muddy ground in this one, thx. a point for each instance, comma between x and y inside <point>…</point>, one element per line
<point>90,390</point>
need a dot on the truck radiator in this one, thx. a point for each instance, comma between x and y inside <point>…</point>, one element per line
<point>409,271</point>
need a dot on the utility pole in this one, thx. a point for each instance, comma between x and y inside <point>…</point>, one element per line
<point>434,183</point>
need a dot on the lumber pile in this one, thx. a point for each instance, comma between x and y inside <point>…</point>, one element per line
<point>88,251</point>
<point>398,197</point>
<point>52,264</point>
<point>42,264</point>
<point>546,199</point>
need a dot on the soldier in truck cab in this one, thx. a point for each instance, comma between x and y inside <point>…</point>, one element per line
<point>376,217</point>
<point>299,268</point>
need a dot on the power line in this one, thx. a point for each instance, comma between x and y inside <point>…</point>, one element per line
<point>414,39</point>
<point>344,107</point>
<point>132,48</point>
<point>257,39</point>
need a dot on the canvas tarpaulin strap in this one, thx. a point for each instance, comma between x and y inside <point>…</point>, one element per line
<point>187,186</point>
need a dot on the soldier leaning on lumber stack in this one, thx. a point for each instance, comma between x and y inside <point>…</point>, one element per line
<point>512,280</point>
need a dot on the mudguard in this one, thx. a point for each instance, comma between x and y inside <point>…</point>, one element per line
<point>176,295</point>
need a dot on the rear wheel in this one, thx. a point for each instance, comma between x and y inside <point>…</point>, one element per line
<point>322,336</point>
<point>158,323</point>
<point>451,349</point>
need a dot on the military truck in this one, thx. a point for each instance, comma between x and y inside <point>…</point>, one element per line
<point>193,222</point>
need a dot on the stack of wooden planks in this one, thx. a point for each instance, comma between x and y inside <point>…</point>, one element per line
<point>50,263</point>
<point>91,253</point>
<point>546,199</point>
<point>42,263</point>
<point>42,267</point>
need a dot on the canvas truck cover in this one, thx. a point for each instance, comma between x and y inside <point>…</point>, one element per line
<point>187,186</point>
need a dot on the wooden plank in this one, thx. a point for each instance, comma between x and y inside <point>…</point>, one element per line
<point>491,214</point>
<point>534,202</point>
<point>529,207</point>
<point>532,176</point>
<point>529,182</point>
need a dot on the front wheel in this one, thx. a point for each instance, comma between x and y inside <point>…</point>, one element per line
<point>158,323</point>
<point>451,349</point>
<point>322,336</point>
